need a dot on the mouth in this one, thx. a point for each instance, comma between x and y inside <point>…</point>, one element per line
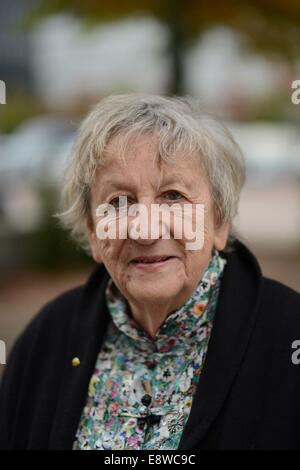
<point>150,263</point>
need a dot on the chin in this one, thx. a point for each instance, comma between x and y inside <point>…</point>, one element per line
<point>155,294</point>
<point>153,300</point>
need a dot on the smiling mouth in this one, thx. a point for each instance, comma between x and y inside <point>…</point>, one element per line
<point>151,259</point>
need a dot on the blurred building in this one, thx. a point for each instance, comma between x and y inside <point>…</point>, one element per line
<point>131,55</point>
<point>15,50</point>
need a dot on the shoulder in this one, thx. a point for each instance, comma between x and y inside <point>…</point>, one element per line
<point>36,362</point>
<point>47,331</point>
<point>58,312</point>
<point>244,266</point>
<point>277,293</point>
<point>59,308</point>
<point>280,307</point>
<point>54,314</point>
<point>52,324</point>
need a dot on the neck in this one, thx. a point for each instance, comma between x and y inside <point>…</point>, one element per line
<point>150,316</point>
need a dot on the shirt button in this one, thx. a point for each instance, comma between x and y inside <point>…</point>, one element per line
<point>154,419</point>
<point>150,365</point>
<point>146,400</point>
<point>141,423</point>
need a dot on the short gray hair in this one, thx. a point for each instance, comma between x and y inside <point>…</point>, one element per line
<point>182,126</point>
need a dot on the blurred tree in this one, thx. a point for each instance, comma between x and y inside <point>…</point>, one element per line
<point>272,26</point>
<point>19,107</point>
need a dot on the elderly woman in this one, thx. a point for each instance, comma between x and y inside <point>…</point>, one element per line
<point>167,345</point>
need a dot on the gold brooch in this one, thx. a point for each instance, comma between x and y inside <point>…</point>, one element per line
<point>75,361</point>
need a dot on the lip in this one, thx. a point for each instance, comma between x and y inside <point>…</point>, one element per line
<point>150,258</point>
<point>157,262</point>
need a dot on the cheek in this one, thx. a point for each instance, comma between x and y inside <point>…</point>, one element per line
<point>194,225</point>
<point>208,222</point>
<point>110,250</point>
<point>197,262</point>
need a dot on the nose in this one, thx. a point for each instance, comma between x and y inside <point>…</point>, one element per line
<point>146,227</point>
<point>141,240</point>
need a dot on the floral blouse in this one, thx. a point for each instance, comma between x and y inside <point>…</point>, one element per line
<point>141,391</point>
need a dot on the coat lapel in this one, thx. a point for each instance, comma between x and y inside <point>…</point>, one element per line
<point>90,322</point>
<point>233,324</point>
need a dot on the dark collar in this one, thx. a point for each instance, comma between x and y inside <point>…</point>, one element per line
<point>234,320</point>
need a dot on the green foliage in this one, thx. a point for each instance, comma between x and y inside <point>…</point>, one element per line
<point>49,245</point>
<point>19,107</point>
<point>271,25</point>
<point>274,107</point>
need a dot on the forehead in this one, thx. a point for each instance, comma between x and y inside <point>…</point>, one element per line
<point>139,158</point>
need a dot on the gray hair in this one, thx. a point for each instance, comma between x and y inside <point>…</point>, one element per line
<point>181,125</point>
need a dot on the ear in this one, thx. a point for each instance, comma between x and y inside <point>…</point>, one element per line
<point>93,240</point>
<point>221,236</point>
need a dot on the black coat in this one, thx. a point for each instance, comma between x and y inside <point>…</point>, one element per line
<point>249,391</point>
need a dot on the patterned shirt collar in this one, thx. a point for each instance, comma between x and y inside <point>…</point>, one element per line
<point>190,319</point>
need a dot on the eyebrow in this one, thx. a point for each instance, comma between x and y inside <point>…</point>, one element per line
<point>172,180</point>
<point>111,185</point>
<point>121,185</point>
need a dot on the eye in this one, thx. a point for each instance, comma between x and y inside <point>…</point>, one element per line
<point>173,195</point>
<point>119,202</point>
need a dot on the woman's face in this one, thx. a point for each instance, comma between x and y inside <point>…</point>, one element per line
<point>145,179</point>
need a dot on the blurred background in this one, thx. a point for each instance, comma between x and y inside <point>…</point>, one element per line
<point>59,57</point>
